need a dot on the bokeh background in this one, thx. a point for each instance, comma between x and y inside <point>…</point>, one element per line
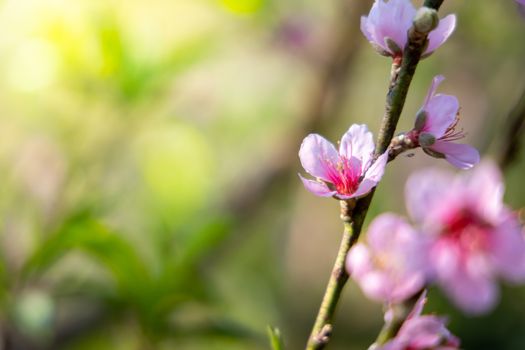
<point>148,157</point>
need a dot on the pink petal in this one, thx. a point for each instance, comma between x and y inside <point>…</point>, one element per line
<point>401,270</point>
<point>418,308</point>
<point>433,88</point>
<point>358,143</point>
<point>423,191</point>
<point>460,155</point>
<point>364,29</point>
<point>358,261</point>
<point>441,113</point>
<point>377,169</point>
<point>372,176</point>
<point>389,19</point>
<point>507,245</point>
<point>485,184</point>
<point>317,155</point>
<point>317,188</point>
<point>364,187</point>
<point>376,285</point>
<point>388,230</point>
<point>439,35</point>
<point>407,286</point>
<point>472,294</point>
<point>423,332</point>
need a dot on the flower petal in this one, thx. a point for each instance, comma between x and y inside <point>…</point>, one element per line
<point>317,155</point>
<point>357,142</point>
<point>433,88</point>
<point>365,30</point>
<point>423,191</point>
<point>358,261</point>
<point>364,187</point>
<point>391,19</point>
<point>377,169</point>
<point>460,155</point>
<point>317,188</point>
<point>439,35</point>
<point>472,294</point>
<point>507,245</point>
<point>485,184</point>
<point>372,176</point>
<point>441,113</point>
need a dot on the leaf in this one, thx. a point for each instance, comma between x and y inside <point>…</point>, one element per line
<point>275,336</point>
<point>82,232</point>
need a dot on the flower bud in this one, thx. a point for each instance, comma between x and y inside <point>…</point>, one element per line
<point>426,139</point>
<point>421,119</point>
<point>426,20</point>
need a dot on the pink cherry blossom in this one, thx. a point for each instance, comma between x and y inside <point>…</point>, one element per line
<point>349,173</point>
<point>427,332</point>
<point>521,6</point>
<point>436,129</point>
<point>391,268</point>
<point>476,239</point>
<point>390,22</point>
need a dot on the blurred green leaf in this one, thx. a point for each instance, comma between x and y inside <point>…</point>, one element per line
<point>86,234</point>
<point>275,336</point>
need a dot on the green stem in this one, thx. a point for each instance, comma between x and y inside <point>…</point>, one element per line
<point>400,313</point>
<point>353,218</point>
<point>353,215</point>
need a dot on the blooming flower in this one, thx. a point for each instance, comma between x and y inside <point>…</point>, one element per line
<point>475,237</point>
<point>392,267</point>
<point>435,129</point>
<point>418,332</point>
<point>349,173</point>
<point>387,25</point>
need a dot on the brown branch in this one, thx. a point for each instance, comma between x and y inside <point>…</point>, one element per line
<point>513,134</point>
<point>397,92</point>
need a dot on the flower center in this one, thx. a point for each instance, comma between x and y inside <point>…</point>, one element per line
<point>468,231</point>
<point>345,175</point>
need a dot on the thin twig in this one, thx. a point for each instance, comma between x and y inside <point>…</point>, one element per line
<point>513,134</point>
<point>397,92</point>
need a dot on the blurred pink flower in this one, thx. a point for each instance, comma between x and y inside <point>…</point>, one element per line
<point>392,267</point>
<point>476,238</point>
<point>387,25</point>
<point>349,173</point>
<point>422,333</point>
<point>435,129</point>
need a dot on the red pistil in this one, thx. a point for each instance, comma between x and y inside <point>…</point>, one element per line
<point>343,175</point>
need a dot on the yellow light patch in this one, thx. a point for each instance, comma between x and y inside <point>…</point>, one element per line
<point>242,7</point>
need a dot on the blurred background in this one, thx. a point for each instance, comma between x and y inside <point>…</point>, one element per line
<point>148,158</point>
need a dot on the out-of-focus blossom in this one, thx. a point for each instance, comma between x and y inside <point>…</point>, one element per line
<point>349,173</point>
<point>419,332</point>
<point>521,6</point>
<point>476,238</point>
<point>387,25</point>
<point>391,268</point>
<point>436,129</point>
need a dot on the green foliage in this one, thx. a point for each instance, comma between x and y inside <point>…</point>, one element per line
<point>276,340</point>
